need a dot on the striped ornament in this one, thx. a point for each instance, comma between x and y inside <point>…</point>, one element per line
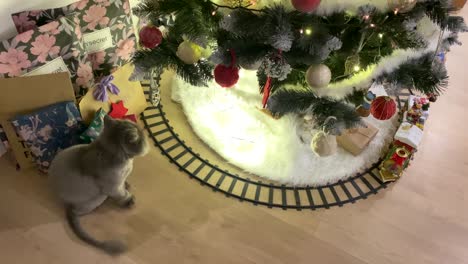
<point>383,108</point>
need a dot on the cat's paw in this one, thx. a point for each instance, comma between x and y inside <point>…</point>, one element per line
<point>129,203</point>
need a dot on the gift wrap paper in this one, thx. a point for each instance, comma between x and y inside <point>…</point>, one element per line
<point>357,139</point>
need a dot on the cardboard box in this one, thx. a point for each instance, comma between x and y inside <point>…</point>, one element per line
<point>357,139</point>
<point>24,95</point>
<point>131,93</point>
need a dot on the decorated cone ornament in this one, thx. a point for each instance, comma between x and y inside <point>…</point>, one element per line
<point>305,6</point>
<point>323,144</point>
<point>150,37</point>
<point>383,108</point>
<point>318,76</point>
<point>227,76</point>
<point>189,52</point>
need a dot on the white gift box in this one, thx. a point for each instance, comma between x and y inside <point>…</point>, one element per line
<point>409,134</point>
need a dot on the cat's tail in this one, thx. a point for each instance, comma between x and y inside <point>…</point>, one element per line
<point>112,247</point>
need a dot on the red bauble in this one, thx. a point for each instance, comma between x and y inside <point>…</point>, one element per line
<point>226,76</point>
<point>383,108</point>
<point>150,37</point>
<point>305,6</point>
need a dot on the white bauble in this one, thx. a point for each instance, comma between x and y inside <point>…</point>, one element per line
<point>323,144</point>
<point>318,76</point>
<point>189,52</point>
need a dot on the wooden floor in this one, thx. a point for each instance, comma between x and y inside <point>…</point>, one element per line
<point>423,218</point>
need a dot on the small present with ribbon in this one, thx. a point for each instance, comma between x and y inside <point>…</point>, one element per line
<point>356,140</point>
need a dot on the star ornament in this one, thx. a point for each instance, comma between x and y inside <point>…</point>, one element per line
<point>118,110</point>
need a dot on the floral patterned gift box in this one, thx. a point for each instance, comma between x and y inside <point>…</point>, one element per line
<point>106,25</point>
<point>49,130</point>
<point>51,48</point>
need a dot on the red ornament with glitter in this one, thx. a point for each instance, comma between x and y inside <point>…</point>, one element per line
<point>227,76</point>
<point>383,108</point>
<point>305,6</point>
<point>150,37</point>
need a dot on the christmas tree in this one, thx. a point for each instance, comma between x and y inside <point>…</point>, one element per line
<point>310,57</point>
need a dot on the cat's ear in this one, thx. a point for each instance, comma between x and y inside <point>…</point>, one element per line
<point>108,121</point>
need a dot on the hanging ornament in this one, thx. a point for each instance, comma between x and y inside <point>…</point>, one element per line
<point>189,52</point>
<point>383,108</point>
<point>352,64</point>
<point>401,6</point>
<point>305,6</point>
<point>227,76</point>
<point>323,144</point>
<point>318,76</point>
<point>275,66</point>
<point>150,37</point>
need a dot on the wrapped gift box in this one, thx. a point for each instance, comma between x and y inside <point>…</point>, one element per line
<point>357,139</point>
<point>409,134</point>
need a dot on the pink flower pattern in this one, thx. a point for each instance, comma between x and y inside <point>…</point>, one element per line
<point>125,48</point>
<point>85,75</point>
<point>24,37</point>
<point>44,46</point>
<point>92,15</point>
<point>96,15</point>
<point>13,62</point>
<point>23,23</point>
<point>51,28</point>
<point>80,5</point>
<point>97,59</point>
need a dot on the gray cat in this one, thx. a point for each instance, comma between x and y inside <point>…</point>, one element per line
<point>84,176</point>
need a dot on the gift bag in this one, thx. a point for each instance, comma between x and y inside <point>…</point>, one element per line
<point>51,48</point>
<point>357,139</point>
<point>22,95</point>
<point>107,28</point>
<point>130,93</point>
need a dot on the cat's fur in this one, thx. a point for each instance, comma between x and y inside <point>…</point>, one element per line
<point>84,176</point>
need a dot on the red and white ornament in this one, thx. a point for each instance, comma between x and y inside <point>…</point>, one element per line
<point>383,108</point>
<point>305,6</point>
<point>227,76</point>
<point>150,37</point>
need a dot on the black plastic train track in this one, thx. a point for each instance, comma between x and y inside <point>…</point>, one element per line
<point>255,191</point>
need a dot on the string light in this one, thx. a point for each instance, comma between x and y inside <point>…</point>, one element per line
<point>301,31</point>
<point>356,68</point>
<point>366,17</point>
<point>213,13</point>
<point>308,31</point>
<point>372,25</point>
<point>396,11</point>
<point>380,35</point>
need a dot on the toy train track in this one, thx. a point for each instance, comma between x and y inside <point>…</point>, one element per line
<point>272,195</point>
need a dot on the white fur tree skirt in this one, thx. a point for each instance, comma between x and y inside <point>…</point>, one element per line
<point>230,122</point>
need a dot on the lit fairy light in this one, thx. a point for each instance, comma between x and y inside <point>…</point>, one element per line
<point>356,68</point>
<point>308,31</point>
<point>301,31</point>
<point>372,25</point>
<point>380,35</point>
<point>396,11</point>
<point>366,17</point>
<point>213,13</point>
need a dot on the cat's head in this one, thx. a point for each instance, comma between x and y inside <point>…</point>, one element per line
<point>125,136</point>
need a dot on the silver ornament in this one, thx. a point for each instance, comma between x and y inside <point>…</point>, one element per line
<point>318,76</point>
